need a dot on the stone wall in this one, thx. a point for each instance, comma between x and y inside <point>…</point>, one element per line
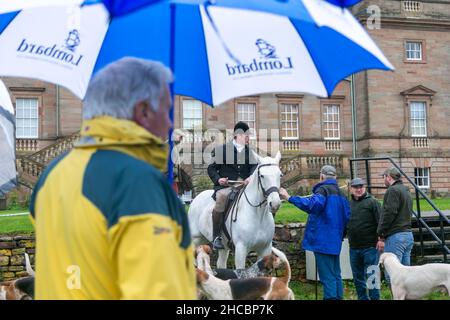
<point>12,255</point>
<point>288,238</point>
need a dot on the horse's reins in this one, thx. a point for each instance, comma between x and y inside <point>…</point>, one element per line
<point>234,210</point>
<point>267,192</point>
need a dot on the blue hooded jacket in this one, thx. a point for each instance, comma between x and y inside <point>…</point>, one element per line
<point>328,213</point>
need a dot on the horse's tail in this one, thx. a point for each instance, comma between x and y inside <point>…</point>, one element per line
<point>287,277</point>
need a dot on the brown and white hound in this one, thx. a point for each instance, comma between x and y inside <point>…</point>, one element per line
<point>267,288</point>
<point>260,268</point>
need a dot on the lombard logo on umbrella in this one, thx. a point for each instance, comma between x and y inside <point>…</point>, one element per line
<point>63,53</point>
<point>266,49</point>
<point>268,60</point>
<point>73,40</point>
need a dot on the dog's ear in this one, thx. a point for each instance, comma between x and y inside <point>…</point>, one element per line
<point>272,263</point>
<point>207,249</point>
<point>276,261</point>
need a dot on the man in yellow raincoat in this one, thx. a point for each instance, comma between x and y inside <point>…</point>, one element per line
<point>108,224</point>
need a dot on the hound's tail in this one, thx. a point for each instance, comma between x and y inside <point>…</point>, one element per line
<point>287,277</point>
<point>30,270</point>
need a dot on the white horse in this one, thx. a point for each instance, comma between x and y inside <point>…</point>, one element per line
<point>254,227</point>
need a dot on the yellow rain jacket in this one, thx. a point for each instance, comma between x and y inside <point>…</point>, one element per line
<point>108,224</point>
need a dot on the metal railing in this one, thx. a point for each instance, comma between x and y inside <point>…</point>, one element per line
<point>418,193</point>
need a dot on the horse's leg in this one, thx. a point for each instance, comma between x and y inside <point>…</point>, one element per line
<point>222,259</point>
<point>197,241</point>
<point>240,254</point>
<point>265,251</point>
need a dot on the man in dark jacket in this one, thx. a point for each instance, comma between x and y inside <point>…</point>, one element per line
<point>230,161</point>
<point>328,213</point>
<point>394,229</point>
<point>362,237</point>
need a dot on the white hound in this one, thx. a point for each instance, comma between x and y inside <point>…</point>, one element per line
<point>412,283</point>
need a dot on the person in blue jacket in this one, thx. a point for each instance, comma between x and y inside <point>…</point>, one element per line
<point>328,213</point>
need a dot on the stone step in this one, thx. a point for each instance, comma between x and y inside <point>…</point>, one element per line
<point>437,258</point>
<point>436,230</point>
<point>431,244</point>
<point>431,215</point>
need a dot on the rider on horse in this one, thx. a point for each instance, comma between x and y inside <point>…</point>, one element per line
<point>230,161</point>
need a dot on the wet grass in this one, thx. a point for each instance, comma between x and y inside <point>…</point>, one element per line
<point>289,213</point>
<point>19,224</point>
<point>307,291</point>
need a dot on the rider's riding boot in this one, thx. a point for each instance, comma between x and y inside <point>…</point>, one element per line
<point>217,218</point>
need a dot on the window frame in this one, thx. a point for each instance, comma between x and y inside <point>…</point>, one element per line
<point>325,106</point>
<point>411,120</point>
<point>422,51</point>
<point>283,104</point>
<point>248,101</point>
<point>37,118</point>
<point>422,177</point>
<point>183,117</point>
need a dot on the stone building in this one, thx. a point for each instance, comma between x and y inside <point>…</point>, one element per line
<point>406,114</point>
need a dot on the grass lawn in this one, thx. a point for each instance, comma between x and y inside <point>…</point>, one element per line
<point>286,214</point>
<point>13,211</point>
<point>441,204</point>
<point>289,213</point>
<point>307,291</point>
<point>15,224</point>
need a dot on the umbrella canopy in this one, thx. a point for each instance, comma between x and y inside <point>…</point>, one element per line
<point>8,176</point>
<point>344,3</point>
<point>14,5</point>
<point>218,51</point>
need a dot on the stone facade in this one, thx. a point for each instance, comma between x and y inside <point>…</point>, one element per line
<point>268,108</point>
<point>12,255</point>
<point>59,111</point>
<point>384,98</point>
<point>383,101</point>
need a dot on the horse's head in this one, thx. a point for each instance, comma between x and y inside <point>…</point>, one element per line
<point>269,175</point>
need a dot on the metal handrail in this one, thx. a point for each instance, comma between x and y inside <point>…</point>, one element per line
<point>418,191</point>
<point>432,233</point>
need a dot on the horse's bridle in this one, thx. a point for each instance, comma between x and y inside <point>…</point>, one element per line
<point>267,192</point>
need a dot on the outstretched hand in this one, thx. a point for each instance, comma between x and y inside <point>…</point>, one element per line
<point>284,194</point>
<point>380,245</point>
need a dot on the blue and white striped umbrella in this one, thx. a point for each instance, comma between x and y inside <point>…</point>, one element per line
<point>8,175</point>
<point>218,49</point>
